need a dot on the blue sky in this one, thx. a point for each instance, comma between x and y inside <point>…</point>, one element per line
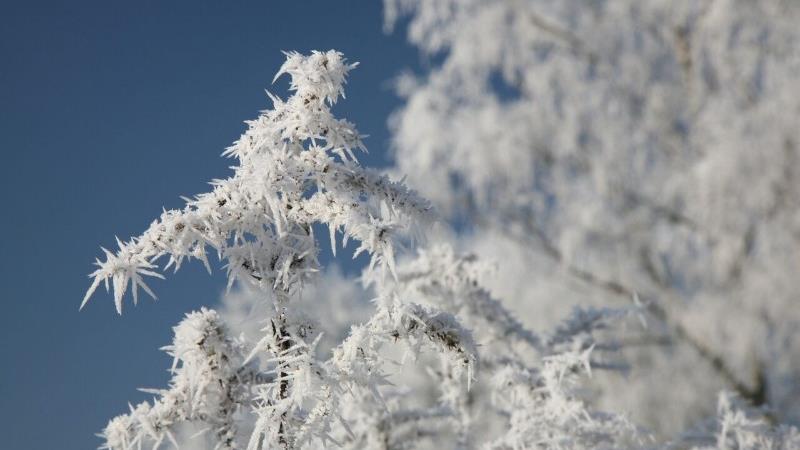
<point>110,111</point>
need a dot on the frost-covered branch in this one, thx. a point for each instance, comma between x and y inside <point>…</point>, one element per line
<point>209,385</point>
<point>739,426</point>
<point>296,167</point>
<point>543,412</point>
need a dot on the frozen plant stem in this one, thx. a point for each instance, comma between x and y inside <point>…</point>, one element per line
<point>297,167</point>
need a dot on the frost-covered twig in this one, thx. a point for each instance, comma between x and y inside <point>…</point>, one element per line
<point>296,168</point>
<point>209,385</point>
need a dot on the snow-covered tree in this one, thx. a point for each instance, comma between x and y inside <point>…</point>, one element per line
<point>297,168</point>
<point>603,151</point>
<point>435,361</point>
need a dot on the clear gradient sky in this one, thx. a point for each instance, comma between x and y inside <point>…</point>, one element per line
<point>110,111</point>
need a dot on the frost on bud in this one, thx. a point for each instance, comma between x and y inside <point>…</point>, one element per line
<point>318,77</point>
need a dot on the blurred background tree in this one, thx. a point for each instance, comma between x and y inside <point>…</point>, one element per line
<point>607,151</point>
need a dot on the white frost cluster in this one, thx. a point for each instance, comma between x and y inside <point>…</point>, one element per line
<point>296,168</point>
<point>526,389</point>
<point>209,385</point>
